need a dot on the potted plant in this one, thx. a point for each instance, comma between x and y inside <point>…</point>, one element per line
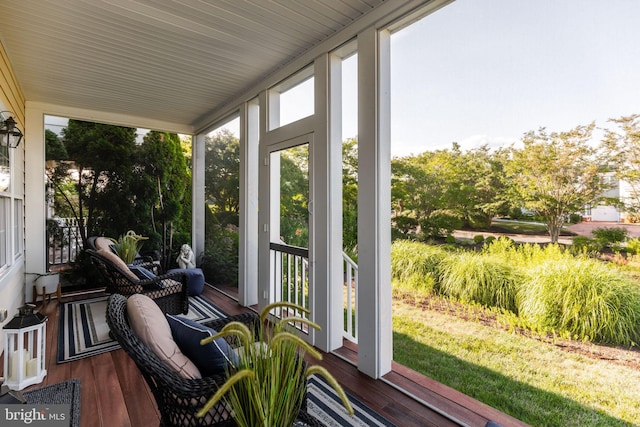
<point>128,246</point>
<point>268,386</point>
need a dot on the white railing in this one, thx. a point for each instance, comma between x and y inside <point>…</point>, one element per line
<point>290,280</point>
<point>350,301</point>
<point>290,283</point>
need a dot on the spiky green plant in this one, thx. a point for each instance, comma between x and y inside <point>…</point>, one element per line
<point>414,265</point>
<point>128,245</point>
<point>583,299</point>
<point>473,277</point>
<point>269,385</point>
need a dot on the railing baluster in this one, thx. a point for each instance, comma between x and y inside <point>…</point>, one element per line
<point>291,283</point>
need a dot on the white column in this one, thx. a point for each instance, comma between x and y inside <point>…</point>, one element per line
<point>34,197</point>
<point>375,335</point>
<point>264,213</point>
<point>327,205</point>
<point>197,201</point>
<point>248,244</point>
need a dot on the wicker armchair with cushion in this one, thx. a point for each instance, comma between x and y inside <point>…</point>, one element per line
<point>169,291</point>
<point>178,398</point>
<point>180,387</point>
<point>97,243</point>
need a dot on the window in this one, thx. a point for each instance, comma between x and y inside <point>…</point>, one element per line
<point>292,99</point>
<point>5,169</point>
<point>4,225</point>
<point>17,228</point>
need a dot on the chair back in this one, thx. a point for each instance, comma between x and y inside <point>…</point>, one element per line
<point>169,291</point>
<point>118,281</point>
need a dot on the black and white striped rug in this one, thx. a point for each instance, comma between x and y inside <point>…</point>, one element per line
<point>324,404</point>
<point>83,329</point>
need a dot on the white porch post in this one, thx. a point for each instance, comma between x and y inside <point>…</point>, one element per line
<point>327,205</point>
<point>375,338</point>
<point>34,197</point>
<point>197,201</point>
<point>248,233</point>
<point>264,213</point>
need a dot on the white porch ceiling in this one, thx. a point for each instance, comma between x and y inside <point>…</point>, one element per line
<point>169,60</point>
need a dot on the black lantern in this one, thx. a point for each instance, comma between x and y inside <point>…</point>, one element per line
<point>10,135</point>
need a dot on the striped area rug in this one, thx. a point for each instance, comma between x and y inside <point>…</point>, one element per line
<point>324,404</point>
<point>83,329</point>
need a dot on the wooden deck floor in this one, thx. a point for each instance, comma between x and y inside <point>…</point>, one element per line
<point>113,393</point>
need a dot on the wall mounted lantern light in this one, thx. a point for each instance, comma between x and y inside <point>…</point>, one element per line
<point>10,135</point>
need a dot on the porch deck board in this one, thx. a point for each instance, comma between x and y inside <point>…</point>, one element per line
<point>114,393</point>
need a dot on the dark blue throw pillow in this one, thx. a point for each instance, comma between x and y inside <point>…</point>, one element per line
<point>211,358</point>
<point>141,272</point>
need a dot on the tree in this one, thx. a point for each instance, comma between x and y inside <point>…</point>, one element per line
<point>350,197</point>
<point>222,176</point>
<point>623,148</point>
<point>481,174</point>
<point>294,196</point>
<point>54,147</point>
<point>424,188</point>
<point>163,179</point>
<point>98,166</point>
<point>222,199</point>
<point>557,174</point>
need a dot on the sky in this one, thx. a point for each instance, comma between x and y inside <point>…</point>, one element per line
<point>488,71</point>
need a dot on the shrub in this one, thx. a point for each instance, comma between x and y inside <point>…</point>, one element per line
<point>584,298</point>
<point>575,218</point>
<point>450,239</point>
<point>440,223</point>
<point>220,258</point>
<point>472,277</point>
<point>610,235</point>
<point>633,246</point>
<point>489,240</point>
<point>478,239</point>
<point>584,245</point>
<point>516,213</point>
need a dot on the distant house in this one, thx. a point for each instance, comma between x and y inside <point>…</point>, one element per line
<point>620,190</point>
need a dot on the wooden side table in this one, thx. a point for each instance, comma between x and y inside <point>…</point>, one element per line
<point>57,292</point>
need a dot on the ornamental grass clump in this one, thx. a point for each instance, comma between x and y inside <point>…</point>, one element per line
<point>583,299</point>
<point>473,277</point>
<point>128,245</point>
<point>269,385</point>
<point>524,255</point>
<point>414,265</point>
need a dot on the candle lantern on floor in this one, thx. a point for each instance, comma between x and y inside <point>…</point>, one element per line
<point>24,348</point>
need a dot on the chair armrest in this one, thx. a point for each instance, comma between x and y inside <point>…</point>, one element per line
<point>148,263</point>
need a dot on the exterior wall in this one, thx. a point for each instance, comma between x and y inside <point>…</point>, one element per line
<point>12,278</point>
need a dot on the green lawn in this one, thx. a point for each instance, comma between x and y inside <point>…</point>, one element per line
<point>522,227</point>
<point>533,381</point>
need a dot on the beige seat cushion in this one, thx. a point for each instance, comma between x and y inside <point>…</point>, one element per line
<point>116,260</point>
<point>152,328</point>
<point>103,243</point>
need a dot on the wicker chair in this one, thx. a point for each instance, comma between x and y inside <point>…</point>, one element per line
<point>178,398</point>
<point>98,242</point>
<point>169,291</point>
